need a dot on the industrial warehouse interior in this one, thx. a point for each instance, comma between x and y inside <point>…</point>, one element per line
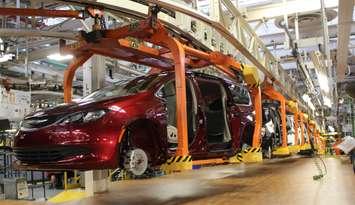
<point>177,102</point>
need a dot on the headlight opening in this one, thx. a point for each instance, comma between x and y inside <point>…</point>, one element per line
<point>83,117</point>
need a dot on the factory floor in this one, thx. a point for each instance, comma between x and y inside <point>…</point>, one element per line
<point>280,181</point>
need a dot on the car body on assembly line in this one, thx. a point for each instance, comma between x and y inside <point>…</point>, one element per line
<point>132,124</point>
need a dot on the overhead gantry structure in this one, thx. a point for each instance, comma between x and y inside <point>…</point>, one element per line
<point>164,53</point>
<point>224,29</point>
<point>130,43</point>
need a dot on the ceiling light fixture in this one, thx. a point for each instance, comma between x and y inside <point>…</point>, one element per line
<point>6,57</point>
<point>2,48</point>
<point>307,99</point>
<point>58,57</point>
<point>323,82</point>
<point>327,102</point>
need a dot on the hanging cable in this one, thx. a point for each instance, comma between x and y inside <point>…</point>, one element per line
<point>317,159</point>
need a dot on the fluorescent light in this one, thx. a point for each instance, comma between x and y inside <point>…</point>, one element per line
<point>6,57</point>
<point>53,21</point>
<point>323,82</point>
<point>58,57</point>
<point>307,99</point>
<point>327,102</point>
<point>246,3</point>
<point>2,48</point>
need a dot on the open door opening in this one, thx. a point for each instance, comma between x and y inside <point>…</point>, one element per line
<point>214,95</point>
<point>168,93</point>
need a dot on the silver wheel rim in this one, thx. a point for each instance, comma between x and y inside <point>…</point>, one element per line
<point>136,161</point>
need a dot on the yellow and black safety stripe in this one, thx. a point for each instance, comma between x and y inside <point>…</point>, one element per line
<point>240,157</point>
<point>178,159</point>
<point>252,150</point>
<point>242,67</point>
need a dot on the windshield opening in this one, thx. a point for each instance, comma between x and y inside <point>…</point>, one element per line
<point>123,88</point>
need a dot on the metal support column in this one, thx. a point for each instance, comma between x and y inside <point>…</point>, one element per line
<point>326,50</point>
<point>287,40</point>
<point>94,78</point>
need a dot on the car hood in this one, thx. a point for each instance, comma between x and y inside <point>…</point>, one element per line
<point>72,107</point>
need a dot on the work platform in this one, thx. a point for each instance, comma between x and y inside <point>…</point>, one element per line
<point>278,181</point>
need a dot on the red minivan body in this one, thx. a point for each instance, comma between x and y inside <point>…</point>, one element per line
<point>98,131</point>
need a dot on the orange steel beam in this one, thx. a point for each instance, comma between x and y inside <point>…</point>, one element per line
<point>300,114</point>
<point>41,12</point>
<point>114,44</point>
<point>270,92</point>
<point>69,75</point>
<point>209,161</point>
<point>256,93</point>
<point>295,122</point>
<point>178,53</point>
<point>315,136</point>
<point>311,131</point>
<point>128,50</point>
<point>223,62</point>
<point>308,132</point>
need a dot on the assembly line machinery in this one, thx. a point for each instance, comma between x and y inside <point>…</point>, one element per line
<point>167,36</point>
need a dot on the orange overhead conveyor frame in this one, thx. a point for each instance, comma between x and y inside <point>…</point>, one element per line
<point>120,43</point>
<point>309,132</point>
<point>256,95</point>
<point>296,125</point>
<point>271,93</point>
<point>300,114</point>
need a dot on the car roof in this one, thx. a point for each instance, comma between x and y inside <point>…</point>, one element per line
<point>203,75</point>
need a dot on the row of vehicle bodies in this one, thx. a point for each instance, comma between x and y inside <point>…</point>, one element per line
<point>99,130</point>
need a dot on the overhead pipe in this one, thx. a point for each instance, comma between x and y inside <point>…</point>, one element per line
<point>346,9</point>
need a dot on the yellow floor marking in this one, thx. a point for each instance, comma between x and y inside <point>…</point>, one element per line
<point>69,195</point>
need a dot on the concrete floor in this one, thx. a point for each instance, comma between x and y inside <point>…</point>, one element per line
<point>282,181</point>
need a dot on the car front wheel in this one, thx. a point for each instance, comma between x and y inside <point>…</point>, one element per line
<point>136,161</point>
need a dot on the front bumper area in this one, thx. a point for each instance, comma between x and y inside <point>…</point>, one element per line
<point>45,154</point>
<point>82,146</point>
<point>65,157</point>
